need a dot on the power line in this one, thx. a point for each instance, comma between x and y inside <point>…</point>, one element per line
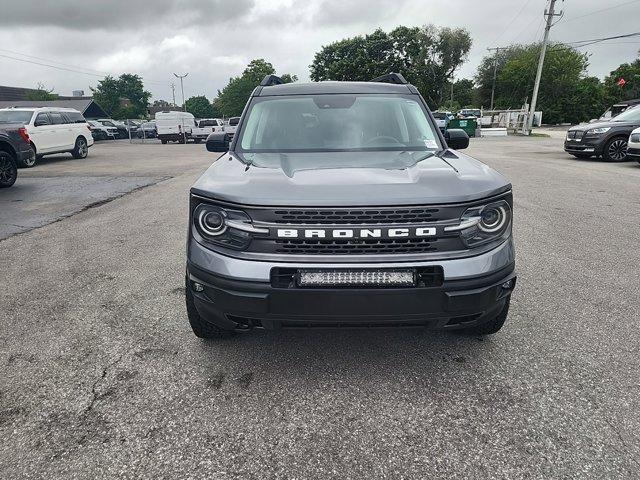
<point>63,66</point>
<point>598,40</point>
<point>524,5</point>
<point>600,11</point>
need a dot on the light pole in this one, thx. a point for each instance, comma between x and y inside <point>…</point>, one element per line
<point>182,88</point>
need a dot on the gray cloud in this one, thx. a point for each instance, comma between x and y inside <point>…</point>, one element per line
<point>215,39</point>
<point>341,12</point>
<point>121,14</point>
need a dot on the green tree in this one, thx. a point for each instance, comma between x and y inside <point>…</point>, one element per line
<point>426,56</point>
<point>464,95</point>
<point>232,98</point>
<point>41,93</point>
<point>122,97</point>
<point>566,93</point>
<point>630,72</point>
<point>200,107</point>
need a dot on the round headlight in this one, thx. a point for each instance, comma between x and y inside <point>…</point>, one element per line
<point>211,222</point>
<point>493,219</point>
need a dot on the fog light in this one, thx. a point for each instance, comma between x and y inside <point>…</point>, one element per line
<point>198,287</point>
<point>507,285</point>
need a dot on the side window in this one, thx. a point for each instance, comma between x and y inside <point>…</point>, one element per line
<point>75,117</point>
<point>56,118</point>
<point>42,119</point>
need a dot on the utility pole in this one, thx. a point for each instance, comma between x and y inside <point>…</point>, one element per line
<point>173,92</point>
<point>182,88</point>
<point>495,69</point>
<point>550,14</point>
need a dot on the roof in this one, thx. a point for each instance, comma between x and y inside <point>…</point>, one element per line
<point>322,88</point>
<point>87,107</point>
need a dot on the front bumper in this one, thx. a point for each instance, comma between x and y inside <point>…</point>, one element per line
<point>633,151</point>
<point>586,146</point>
<point>468,296</point>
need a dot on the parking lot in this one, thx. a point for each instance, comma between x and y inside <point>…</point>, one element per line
<point>101,376</point>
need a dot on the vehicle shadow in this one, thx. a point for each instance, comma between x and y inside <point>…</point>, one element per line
<point>382,353</point>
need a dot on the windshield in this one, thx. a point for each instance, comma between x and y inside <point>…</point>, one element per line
<point>344,123</point>
<point>15,116</point>
<point>632,114</point>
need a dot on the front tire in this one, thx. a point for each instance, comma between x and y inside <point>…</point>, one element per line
<point>615,150</point>
<point>81,149</point>
<point>201,327</point>
<point>8,170</point>
<point>494,325</point>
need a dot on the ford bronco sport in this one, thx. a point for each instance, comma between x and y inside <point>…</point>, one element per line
<point>341,204</point>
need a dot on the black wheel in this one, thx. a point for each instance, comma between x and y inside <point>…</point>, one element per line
<point>81,149</point>
<point>494,325</point>
<point>8,170</point>
<point>201,328</point>
<point>197,140</point>
<point>615,150</point>
<point>581,156</point>
<point>31,161</point>
<point>163,141</point>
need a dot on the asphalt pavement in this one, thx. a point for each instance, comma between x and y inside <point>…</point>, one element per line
<point>101,376</point>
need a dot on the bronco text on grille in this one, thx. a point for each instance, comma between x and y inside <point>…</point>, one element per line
<point>342,204</point>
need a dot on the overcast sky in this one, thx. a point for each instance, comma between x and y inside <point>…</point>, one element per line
<point>215,39</point>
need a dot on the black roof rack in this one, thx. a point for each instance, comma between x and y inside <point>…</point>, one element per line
<point>396,78</point>
<point>270,80</point>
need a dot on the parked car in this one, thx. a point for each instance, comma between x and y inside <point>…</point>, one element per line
<point>607,139</point>
<point>633,147</point>
<point>616,109</point>
<point>442,120</point>
<point>131,125</point>
<point>15,148</point>
<point>174,126</point>
<point>204,127</point>
<point>231,126</point>
<point>52,130</point>
<point>470,113</point>
<point>99,131</point>
<point>342,204</point>
<point>123,132</point>
<point>147,130</point>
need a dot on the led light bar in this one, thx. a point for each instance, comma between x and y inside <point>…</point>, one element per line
<point>355,277</point>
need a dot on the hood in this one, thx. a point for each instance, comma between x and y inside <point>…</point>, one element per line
<point>349,178</point>
<point>600,124</point>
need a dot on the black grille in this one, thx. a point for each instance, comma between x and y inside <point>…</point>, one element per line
<point>356,217</point>
<point>355,246</point>
<point>577,134</point>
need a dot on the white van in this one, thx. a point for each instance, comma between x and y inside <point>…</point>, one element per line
<point>174,126</point>
<point>52,130</point>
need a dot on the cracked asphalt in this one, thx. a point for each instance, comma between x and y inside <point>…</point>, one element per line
<point>101,377</point>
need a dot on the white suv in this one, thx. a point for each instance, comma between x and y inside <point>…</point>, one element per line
<point>54,130</point>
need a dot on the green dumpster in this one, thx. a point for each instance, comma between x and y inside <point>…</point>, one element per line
<point>469,125</point>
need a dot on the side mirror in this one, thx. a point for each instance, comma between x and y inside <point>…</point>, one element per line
<point>218,142</point>
<point>456,138</point>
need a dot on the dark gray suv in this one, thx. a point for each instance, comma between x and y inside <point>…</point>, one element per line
<point>341,204</point>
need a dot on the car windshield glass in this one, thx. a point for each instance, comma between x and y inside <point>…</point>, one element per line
<point>335,122</point>
<point>630,115</point>
<point>15,116</point>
